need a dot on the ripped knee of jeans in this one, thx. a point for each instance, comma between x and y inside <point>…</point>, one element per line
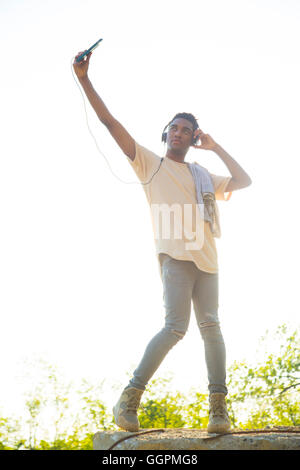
<point>209,324</point>
<point>180,334</point>
<point>211,331</point>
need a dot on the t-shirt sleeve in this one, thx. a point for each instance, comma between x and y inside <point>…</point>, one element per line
<point>145,162</point>
<point>220,184</point>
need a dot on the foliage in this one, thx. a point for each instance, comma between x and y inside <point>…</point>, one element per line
<point>270,387</point>
<point>59,416</point>
<point>160,408</point>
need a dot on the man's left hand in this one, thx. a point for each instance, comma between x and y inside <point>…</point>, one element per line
<point>207,142</point>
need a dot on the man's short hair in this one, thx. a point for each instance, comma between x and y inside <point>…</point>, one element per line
<point>189,117</point>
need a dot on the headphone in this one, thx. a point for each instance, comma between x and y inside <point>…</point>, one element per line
<point>164,136</point>
<point>164,140</point>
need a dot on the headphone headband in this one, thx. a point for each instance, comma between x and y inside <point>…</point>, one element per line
<point>164,136</point>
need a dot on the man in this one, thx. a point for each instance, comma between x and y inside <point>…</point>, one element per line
<point>189,272</point>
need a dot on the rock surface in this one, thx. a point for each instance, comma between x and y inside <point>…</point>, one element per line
<point>199,439</point>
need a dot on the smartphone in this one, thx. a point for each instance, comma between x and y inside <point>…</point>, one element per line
<point>79,59</point>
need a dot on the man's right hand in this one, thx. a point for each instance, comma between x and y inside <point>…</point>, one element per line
<point>118,132</point>
<point>81,68</point>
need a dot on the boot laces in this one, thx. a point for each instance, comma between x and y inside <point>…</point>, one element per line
<point>133,403</point>
<point>218,408</point>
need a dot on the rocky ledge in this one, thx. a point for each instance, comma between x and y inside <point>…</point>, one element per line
<point>279,438</point>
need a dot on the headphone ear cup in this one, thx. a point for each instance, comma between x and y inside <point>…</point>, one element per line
<point>164,137</point>
<point>195,140</point>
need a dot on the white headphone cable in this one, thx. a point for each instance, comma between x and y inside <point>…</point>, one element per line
<point>99,150</point>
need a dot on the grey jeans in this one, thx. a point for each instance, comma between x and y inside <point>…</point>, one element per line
<point>183,282</point>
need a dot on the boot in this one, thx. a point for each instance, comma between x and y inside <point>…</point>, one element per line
<point>125,411</point>
<point>219,421</point>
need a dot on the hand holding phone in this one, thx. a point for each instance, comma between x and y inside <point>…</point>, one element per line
<point>86,52</point>
<point>81,68</point>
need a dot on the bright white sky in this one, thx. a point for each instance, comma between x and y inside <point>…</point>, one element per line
<point>79,278</point>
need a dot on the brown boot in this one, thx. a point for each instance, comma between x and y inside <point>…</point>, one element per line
<point>125,411</point>
<point>219,421</point>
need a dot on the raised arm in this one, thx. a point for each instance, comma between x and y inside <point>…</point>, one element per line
<point>118,132</point>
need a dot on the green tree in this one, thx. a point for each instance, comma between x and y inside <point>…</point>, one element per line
<point>60,416</point>
<point>197,410</point>
<point>269,389</point>
<point>160,408</point>
<point>10,434</point>
<point>164,408</point>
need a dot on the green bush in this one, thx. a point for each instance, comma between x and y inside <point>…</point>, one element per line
<point>260,394</point>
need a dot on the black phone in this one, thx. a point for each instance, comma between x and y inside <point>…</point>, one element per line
<point>85,53</point>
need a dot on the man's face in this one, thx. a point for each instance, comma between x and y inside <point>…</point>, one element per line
<point>180,135</point>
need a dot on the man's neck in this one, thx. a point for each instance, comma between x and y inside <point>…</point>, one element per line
<point>177,157</point>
